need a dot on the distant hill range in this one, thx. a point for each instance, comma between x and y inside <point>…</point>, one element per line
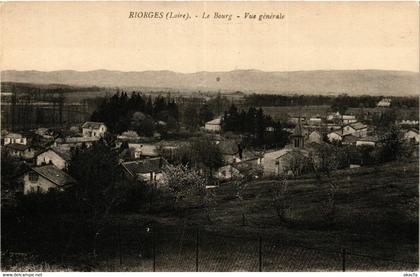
<point>353,82</point>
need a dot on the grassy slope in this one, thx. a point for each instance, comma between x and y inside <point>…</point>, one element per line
<point>377,212</point>
<point>377,215</point>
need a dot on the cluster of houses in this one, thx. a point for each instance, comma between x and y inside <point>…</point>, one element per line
<point>48,153</point>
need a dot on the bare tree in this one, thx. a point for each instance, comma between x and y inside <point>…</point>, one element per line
<point>279,198</point>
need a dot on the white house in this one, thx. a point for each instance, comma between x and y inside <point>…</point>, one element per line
<point>45,178</point>
<point>384,103</point>
<point>315,137</point>
<point>93,129</point>
<point>58,157</point>
<point>412,135</point>
<point>347,119</point>
<point>214,125</point>
<point>12,138</point>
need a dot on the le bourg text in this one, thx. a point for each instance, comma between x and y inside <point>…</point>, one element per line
<point>175,15</point>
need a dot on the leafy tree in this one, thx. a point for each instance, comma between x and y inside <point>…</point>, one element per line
<point>187,185</point>
<point>205,153</point>
<point>191,118</point>
<point>205,114</point>
<point>96,170</point>
<point>392,145</point>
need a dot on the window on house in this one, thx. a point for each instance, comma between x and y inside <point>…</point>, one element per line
<point>33,177</point>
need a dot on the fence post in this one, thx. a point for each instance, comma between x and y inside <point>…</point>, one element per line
<point>119,242</point>
<point>154,249</point>
<point>260,254</point>
<point>343,256</point>
<point>196,250</point>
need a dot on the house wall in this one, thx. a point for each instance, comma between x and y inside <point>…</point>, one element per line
<point>272,166</point>
<point>315,137</point>
<point>334,136</point>
<point>42,185</point>
<point>15,140</point>
<point>212,127</point>
<point>46,157</point>
<point>360,143</point>
<point>150,177</point>
<point>100,132</point>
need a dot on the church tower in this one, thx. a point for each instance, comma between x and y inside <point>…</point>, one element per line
<point>298,138</point>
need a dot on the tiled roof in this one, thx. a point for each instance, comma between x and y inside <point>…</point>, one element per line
<point>143,166</point>
<point>17,146</point>
<point>77,139</point>
<point>13,135</point>
<point>357,125</point>
<point>92,125</point>
<point>55,175</point>
<point>62,153</point>
<point>216,121</point>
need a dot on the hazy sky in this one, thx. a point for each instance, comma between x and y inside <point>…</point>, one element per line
<point>98,35</point>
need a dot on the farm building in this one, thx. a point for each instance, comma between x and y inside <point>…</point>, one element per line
<point>93,129</point>
<point>148,170</point>
<point>56,156</point>
<point>214,125</point>
<point>45,178</point>
<point>357,129</point>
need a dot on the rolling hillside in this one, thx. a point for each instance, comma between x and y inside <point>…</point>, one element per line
<point>354,82</point>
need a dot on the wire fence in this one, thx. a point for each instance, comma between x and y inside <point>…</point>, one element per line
<point>140,248</point>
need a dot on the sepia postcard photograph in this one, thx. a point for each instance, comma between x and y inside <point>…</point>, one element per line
<point>202,136</point>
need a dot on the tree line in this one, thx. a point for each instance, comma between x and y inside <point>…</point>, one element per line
<point>365,101</point>
<point>137,112</point>
<point>257,127</point>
